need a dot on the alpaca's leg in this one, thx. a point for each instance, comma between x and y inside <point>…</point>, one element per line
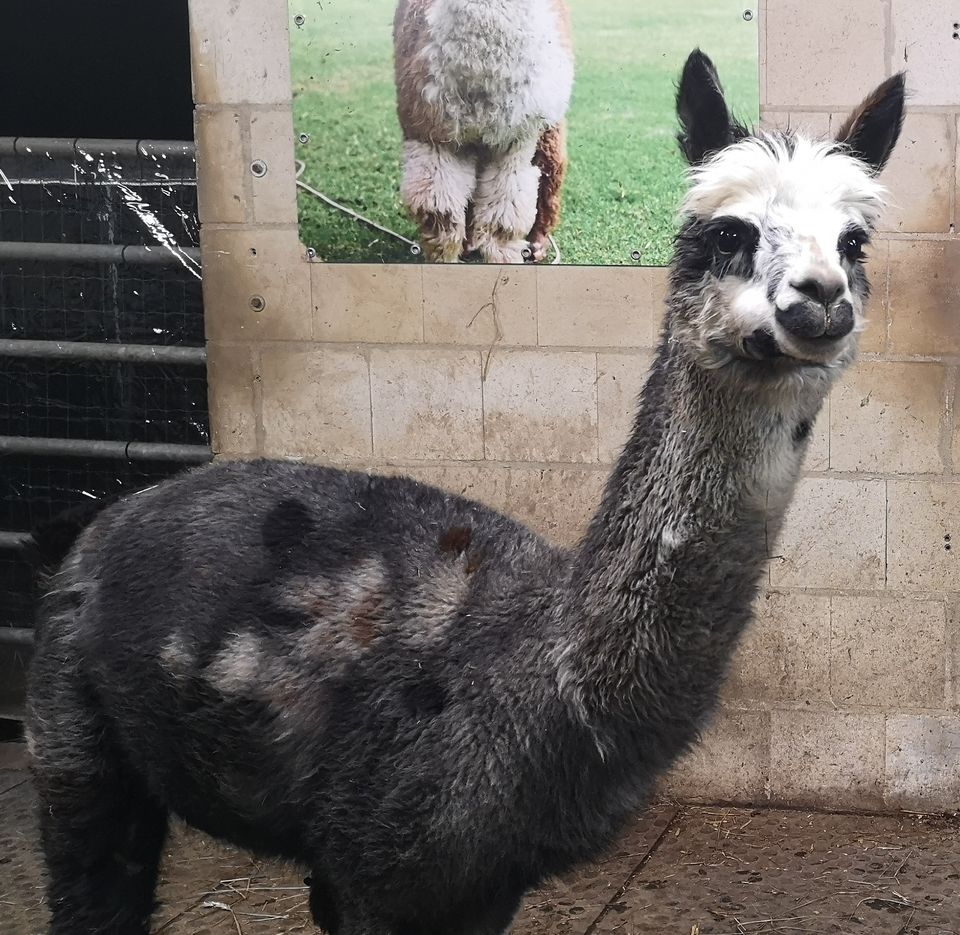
<point>364,924</point>
<point>323,903</point>
<point>437,184</point>
<point>505,204</point>
<point>497,917</point>
<point>551,160</point>
<point>102,833</point>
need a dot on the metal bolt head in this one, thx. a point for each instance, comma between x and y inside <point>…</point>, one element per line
<point>748,15</point>
<point>311,253</point>
<point>304,138</point>
<point>257,303</point>
<point>416,249</point>
<point>635,256</point>
<point>299,19</point>
<point>258,168</point>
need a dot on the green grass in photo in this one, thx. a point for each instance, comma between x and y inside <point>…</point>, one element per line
<point>626,175</point>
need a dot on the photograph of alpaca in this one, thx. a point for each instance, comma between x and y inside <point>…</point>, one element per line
<point>482,95</point>
<point>400,116</point>
<point>410,694</point>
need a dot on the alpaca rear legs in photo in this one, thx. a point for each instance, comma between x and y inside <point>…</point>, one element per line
<point>438,182</point>
<point>505,204</point>
<point>102,834</point>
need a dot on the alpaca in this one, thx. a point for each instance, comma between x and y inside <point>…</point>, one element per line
<point>482,92</point>
<point>413,695</point>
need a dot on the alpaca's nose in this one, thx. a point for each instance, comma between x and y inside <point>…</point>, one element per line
<point>824,314</point>
<point>823,289</point>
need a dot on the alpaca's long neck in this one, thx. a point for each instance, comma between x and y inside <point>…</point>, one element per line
<point>663,582</point>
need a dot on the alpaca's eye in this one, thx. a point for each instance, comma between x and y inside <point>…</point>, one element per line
<point>729,240</point>
<point>851,245</point>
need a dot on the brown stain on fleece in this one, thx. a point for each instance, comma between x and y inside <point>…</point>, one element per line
<point>456,540</point>
<point>367,618</point>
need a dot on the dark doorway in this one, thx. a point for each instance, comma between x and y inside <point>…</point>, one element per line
<point>106,69</point>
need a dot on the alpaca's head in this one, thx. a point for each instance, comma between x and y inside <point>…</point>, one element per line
<point>768,267</point>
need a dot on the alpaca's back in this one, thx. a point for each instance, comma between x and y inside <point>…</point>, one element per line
<point>493,72</point>
<point>306,661</point>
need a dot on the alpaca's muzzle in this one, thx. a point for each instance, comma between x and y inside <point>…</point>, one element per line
<point>812,320</point>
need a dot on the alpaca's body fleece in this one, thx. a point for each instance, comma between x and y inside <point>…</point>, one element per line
<point>483,87</point>
<point>284,660</point>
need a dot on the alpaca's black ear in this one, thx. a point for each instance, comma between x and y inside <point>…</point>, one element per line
<point>705,123</point>
<point>872,130</point>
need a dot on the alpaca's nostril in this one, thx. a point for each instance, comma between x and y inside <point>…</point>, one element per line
<point>803,319</point>
<point>825,290</point>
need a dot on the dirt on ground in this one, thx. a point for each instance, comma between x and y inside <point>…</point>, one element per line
<point>677,870</point>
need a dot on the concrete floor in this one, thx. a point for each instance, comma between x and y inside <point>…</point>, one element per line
<point>676,871</point>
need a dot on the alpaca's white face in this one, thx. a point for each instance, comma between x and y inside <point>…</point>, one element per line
<point>773,250</point>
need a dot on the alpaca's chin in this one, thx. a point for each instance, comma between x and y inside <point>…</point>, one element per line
<point>785,351</point>
<point>821,352</point>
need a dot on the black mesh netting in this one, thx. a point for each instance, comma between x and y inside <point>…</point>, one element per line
<point>117,195</point>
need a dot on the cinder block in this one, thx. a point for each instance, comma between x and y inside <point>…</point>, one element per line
<point>583,306</point>
<point>811,59</point>
<point>827,759</point>
<point>886,416</point>
<point>376,303</point>
<point>924,296</point>
<point>220,166</point>
<point>486,483</point>
<point>784,655</point>
<point>427,404</point>
<point>730,764</point>
<point>620,377</point>
<point>920,173</point>
<point>814,125</point>
<point>488,306</point>
<point>316,403</point>
<point>873,339</point>
<point>230,388</point>
<point>240,52</point>
<point>923,753</point>
<point>242,267</point>
<point>923,536</point>
<point>887,652</point>
<point>923,44</point>
<point>556,502</point>
<point>953,656</point>
<point>833,536</point>
<point>271,142</point>
<point>540,406</point>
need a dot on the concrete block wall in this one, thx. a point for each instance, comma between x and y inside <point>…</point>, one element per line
<point>515,386</point>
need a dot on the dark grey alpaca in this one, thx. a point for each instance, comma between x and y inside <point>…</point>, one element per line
<point>416,697</point>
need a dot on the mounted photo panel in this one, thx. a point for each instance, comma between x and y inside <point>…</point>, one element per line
<point>501,131</point>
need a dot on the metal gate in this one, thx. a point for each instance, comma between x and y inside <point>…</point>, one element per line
<point>102,376</point>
